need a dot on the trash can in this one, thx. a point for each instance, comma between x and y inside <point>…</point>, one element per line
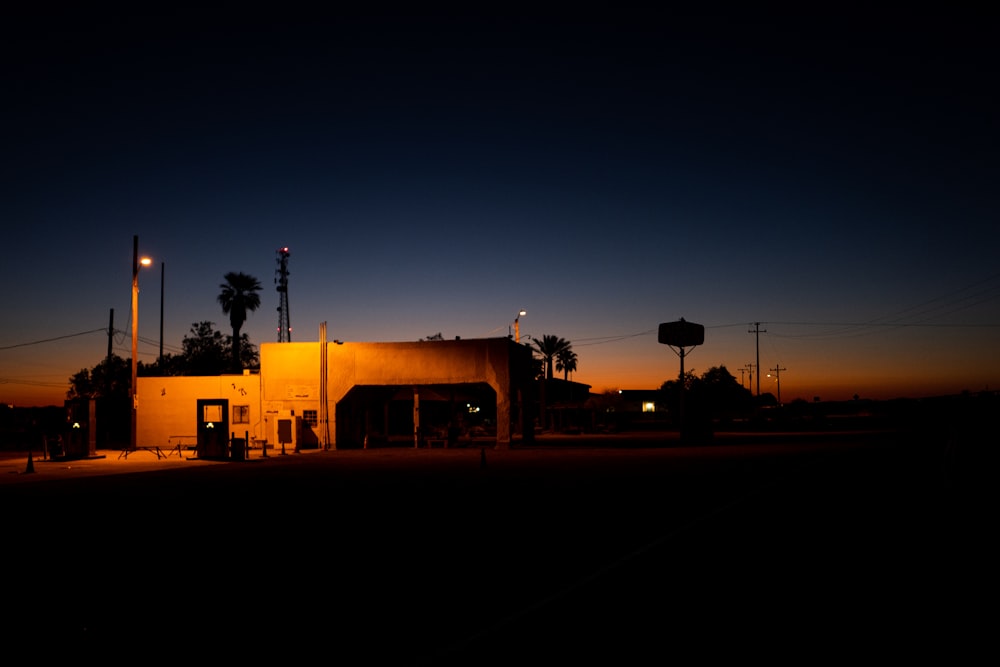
<point>238,449</point>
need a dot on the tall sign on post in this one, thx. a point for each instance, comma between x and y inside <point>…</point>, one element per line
<point>681,334</point>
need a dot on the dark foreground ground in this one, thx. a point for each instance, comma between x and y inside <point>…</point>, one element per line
<point>794,550</point>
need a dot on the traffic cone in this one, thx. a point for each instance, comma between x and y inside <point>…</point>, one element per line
<point>31,464</point>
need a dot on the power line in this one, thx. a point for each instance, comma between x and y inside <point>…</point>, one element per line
<point>918,315</point>
<point>601,340</point>
<point>50,340</point>
<point>33,383</point>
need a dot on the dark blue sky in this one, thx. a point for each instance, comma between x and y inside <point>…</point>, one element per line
<point>831,176</point>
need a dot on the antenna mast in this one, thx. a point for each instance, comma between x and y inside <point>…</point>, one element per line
<point>281,280</point>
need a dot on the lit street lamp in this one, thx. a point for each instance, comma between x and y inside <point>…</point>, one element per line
<point>517,325</point>
<point>777,377</point>
<point>134,399</point>
<point>163,271</point>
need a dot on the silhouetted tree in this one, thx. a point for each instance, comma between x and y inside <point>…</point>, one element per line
<point>723,394</point>
<point>716,394</point>
<point>108,379</point>
<point>566,362</point>
<point>239,296</point>
<point>206,351</point>
<point>716,388</point>
<point>168,364</point>
<point>249,356</point>
<point>767,400</point>
<point>671,386</point>
<point>550,347</point>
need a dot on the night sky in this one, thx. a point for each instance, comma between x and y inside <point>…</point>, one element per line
<point>833,177</point>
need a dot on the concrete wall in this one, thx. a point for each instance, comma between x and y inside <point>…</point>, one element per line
<point>291,372</point>
<point>167,412</point>
<point>290,383</point>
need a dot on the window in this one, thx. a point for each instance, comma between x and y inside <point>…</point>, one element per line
<point>648,406</point>
<point>241,414</point>
<point>310,417</point>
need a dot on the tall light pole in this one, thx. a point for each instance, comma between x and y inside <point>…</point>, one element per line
<point>133,396</point>
<point>777,377</point>
<point>517,325</point>
<point>163,271</point>
<point>757,331</point>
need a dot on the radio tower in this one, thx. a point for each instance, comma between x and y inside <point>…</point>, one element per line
<point>281,280</point>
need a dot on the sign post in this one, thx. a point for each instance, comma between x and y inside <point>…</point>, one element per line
<point>681,334</point>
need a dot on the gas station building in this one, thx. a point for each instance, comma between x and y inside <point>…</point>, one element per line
<point>347,395</point>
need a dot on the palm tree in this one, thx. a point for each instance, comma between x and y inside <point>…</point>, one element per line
<point>239,295</point>
<point>566,361</point>
<point>550,347</point>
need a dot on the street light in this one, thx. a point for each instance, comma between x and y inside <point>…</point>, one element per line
<point>145,261</point>
<point>777,377</point>
<point>163,272</point>
<point>517,325</point>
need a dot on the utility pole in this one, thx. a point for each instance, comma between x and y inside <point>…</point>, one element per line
<point>742,373</point>
<point>163,273</point>
<point>749,369</point>
<point>757,331</point>
<point>111,334</point>
<point>777,376</point>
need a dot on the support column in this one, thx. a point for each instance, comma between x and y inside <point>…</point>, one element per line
<point>503,417</point>
<point>416,416</point>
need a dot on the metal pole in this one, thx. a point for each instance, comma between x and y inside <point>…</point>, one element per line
<point>111,334</point>
<point>777,378</point>
<point>135,337</point>
<point>682,390</point>
<point>757,331</point>
<point>416,417</point>
<point>756,325</point>
<point>163,271</point>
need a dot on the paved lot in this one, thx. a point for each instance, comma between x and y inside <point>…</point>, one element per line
<point>786,550</point>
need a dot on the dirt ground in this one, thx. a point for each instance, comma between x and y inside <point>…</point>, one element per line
<point>785,549</point>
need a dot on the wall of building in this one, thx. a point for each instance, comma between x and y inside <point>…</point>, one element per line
<point>291,373</point>
<point>167,413</point>
<point>290,384</point>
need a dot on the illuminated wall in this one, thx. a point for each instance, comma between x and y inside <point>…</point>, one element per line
<point>167,409</point>
<point>291,373</point>
<point>291,383</point>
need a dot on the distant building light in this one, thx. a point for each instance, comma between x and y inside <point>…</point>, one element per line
<point>648,406</point>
